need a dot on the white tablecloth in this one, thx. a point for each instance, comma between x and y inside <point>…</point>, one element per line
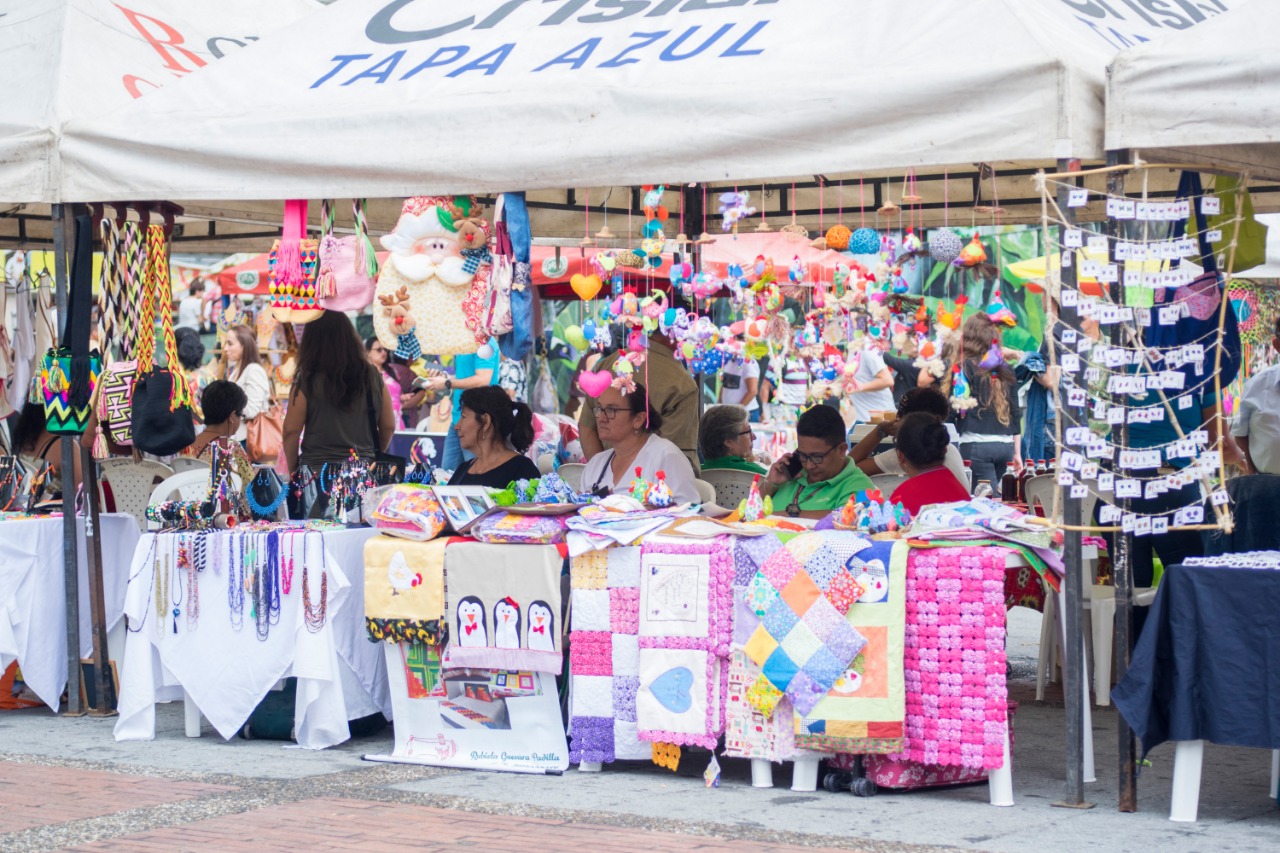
<point>227,671</point>
<point>33,601</point>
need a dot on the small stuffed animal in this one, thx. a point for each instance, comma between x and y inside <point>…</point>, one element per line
<point>473,233</point>
<point>396,307</point>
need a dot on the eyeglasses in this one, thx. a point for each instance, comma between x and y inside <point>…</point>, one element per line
<point>746,431</point>
<point>607,413</point>
<point>811,458</point>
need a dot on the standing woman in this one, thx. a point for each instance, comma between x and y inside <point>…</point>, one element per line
<point>244,367</point>
<point>380,358</point>
<point>337,397</point>
<point>989,424</point>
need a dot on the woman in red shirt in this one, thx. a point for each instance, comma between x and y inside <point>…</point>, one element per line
<point>921,445</point>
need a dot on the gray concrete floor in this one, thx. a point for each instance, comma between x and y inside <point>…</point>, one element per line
<point>1235,811</point>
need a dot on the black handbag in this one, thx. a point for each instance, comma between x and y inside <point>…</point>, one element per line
<point>387,468</point>
<point>156,428</point>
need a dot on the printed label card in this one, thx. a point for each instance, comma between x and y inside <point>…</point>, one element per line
<point>1210,205</point>
<point>1073,238</point>
<point>1077,197</point>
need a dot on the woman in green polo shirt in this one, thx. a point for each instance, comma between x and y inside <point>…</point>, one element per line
<point>818,476</point>
<point>724,437</point>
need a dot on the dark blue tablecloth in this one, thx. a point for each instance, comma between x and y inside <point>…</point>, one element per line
<point>1207,666</point>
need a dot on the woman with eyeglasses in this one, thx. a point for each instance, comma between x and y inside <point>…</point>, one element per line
<point>725,439</point>
<point>818,476</point>
<point>628,426</point>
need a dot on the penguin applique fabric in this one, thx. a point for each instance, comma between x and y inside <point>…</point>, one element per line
<point>502,607</point>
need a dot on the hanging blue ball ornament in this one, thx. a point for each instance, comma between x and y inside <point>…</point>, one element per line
<point>589,329</point>
<point>829,374</point>
<point>864,241</point>
<point>945,245</point>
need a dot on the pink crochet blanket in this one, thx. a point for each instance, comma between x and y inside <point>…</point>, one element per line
<point>954,659</point>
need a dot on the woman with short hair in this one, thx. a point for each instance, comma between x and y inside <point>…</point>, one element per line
<point>725,440</point>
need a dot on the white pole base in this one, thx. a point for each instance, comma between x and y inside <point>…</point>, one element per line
<point>1000,782</point>
<point>590,767</point>
<point>761,773</point>
<point>190,715</point>
<point>1188,758</point>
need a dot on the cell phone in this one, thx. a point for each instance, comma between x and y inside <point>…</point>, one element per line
<point>793,465</point>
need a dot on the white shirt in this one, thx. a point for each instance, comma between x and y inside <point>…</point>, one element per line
<point>734,377</point>
<point>889,464</point>
<point>257,387</point>
<point>870,363</point>
<point>189,312</point>
<point>793,389</point>
<point>1258,418</point>
<point>658,454</point>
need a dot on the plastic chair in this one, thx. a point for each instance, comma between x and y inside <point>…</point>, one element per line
<point>131,485</point>
<point>706,491</point>
<point>571,473</point>
<point>188,463</point>
<point>731,486</point>
<point>886,483</point>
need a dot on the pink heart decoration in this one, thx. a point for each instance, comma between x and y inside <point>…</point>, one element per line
<point>594,383</point>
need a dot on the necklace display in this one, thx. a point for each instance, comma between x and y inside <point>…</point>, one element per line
<point>314,616</point>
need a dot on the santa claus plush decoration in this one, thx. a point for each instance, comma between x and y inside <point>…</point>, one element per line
<point>427,279</point>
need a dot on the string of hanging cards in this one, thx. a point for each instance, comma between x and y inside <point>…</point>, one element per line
<point>1115,374</point>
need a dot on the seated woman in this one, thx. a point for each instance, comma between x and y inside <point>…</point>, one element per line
<point>928,400</point>
<point>724,437</point>
<point>498,431</point>
<point>818,476</point>
<point>921,446</point>
<point>223,403</point>
<point>629,426</point>
<point>34,445</point>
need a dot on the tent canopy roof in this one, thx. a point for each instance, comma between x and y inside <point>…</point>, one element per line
<point>1211,95</point>
<point>388,98</point>
<point>65,59</point>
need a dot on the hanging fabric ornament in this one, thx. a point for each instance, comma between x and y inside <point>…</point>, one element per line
<point>945,245</point>
<point>998,312</point>
<point>971,255</point>
<point>864,241</point>
<point>961,398</point>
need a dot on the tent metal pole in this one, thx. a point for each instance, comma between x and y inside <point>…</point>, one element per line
<point>1121,558</point>
<point>62,224</point>
<point>1072,616</point>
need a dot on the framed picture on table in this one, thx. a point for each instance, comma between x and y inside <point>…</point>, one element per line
<point>463,504</point>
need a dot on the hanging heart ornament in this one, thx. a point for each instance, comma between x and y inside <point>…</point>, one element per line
<point>586,286</point>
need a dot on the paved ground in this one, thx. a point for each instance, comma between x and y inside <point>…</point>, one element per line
<point>65,783</point>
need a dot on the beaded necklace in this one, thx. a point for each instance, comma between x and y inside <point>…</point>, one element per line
<point>155,569</point>
<point>258,509</point>
<point>161,590</point>
<point>314,617</point>
<point>235,580</point>
<point>193,588</point>
<point>286,567</point>
<point>177,600</point>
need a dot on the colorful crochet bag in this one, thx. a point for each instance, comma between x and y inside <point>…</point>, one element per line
<point>69,372</point>
<point>115,408</point>
<point>292,269</point>
<point>506,528</point>
<point>348,272</point>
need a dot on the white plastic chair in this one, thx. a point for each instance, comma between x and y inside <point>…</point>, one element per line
<point>131,485</point>
<point>706,491</point>
<point>571,473</point>
<point>887,483</point>
<point>188,463</point>
<point>731,486</point>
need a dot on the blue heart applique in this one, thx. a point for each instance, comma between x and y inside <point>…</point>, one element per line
<point>671,689</point>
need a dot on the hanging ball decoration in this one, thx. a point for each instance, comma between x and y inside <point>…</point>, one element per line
<point>945,245</point>
<point>865,241</point>
<point>838,237</point>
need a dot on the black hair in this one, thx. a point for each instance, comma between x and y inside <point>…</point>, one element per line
<point>330,355</point>
<point>928,400</point>
<point>923,439</point>
<point>512,419</point>
<point>822,422</point>
<point>220,400</point>
<point>637,401</point>
<point>27,430</point>
<point>190,347</point>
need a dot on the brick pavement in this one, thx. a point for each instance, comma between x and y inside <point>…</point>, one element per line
<point>33,795</point>
<point>332,824</point>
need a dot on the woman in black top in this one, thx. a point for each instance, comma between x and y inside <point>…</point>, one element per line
<point>988,432</point>
<point>498,431</point>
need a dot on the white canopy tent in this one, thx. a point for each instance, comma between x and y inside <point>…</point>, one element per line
<point>387,98</point>
<point>66,59</point>
<point>1211,95</point>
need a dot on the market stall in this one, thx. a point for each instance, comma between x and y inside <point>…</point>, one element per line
<point>278,602</point>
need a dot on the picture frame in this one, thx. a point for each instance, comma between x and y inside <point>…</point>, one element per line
<point>463,504</point>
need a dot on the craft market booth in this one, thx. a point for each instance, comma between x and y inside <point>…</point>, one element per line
<point>791,644</point>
